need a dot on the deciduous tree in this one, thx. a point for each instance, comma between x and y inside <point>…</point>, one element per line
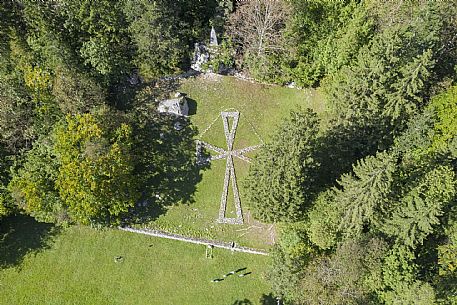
<point>95,177</point>
<point>349,276</point>
<point>33,183</point>
<point>257,27</point>
<point>324,36</point>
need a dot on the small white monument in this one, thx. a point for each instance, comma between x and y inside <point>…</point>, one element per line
<point>213,38</point>
<point>177,105</point>
<point>203,53</point>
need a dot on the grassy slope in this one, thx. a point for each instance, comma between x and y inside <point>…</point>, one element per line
<point>79,268</point>
<point>262,108</point>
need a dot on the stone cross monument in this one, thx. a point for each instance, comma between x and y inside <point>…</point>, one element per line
<point>229,169</point>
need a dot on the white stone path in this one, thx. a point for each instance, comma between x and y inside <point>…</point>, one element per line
<point>229,169</point>
<point>201,241</point>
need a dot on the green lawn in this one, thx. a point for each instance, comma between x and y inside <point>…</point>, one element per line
<point>76,265</point>
<point>261,109</point>
<point>79,268</point>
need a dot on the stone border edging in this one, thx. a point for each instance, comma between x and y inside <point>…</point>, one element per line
<point>200,241</point>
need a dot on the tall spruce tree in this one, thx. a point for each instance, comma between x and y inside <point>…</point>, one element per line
<point>391,77</point>
<point>281,178</point>
<point>366,193</point>
<point>417,213</point>
<point>358,202</point>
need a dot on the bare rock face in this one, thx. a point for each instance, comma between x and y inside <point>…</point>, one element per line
<point>134,78</point>
<point>203,53</point>
<point>176,106</point>
<point>201,57</point>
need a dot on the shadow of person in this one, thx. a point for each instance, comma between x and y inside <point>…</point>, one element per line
<point>243,302</point>
<point>20,235</point>
<point>217,280</point>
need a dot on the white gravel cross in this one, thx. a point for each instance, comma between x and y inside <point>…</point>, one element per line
<point>229,169</point>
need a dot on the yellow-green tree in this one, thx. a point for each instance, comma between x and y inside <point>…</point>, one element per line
<point>445,108</point>
<point>82,172</point>
<point>95,175</point>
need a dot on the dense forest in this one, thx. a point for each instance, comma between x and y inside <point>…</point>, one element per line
<point>367,207</point>
<point>365,201</point>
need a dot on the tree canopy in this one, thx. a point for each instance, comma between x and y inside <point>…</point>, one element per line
<point>282,175</point>
<point>365,201</point>
<point>394,104</point>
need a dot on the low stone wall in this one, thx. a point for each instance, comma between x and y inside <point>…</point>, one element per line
<point>201,241</point>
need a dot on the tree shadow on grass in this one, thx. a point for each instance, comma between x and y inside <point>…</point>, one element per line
<point>340,147</point>
<point>165,148</point>
<point>167,168</point>
<point>125,96</point>
<point>265,299</point>
<point>268,299</point>
<point>20,235</point>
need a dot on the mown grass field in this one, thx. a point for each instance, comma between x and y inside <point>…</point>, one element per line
<point>261,107</point>
<point>78,267</point>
